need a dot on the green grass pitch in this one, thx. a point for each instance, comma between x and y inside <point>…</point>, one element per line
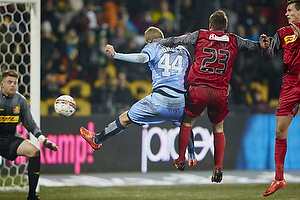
<point>182,192</point>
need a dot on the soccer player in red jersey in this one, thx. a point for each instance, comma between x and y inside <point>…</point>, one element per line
<point>288,39</point>
<point>209,76</point>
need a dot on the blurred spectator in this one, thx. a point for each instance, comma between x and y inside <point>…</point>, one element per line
<point>248,18</point>
<point>124,98</point>
<point>48,43</point>
<point>80,23</point>
<point>76,5</point>
<point>129,25</point>
<point>259,105</point>
<point>54,78</point>
<point>71,45</point>
<point>188,19</point>
<point>109,15</point>
<point>253,33</point>
<point>143,20</point>
<point>71,42</point>
<point>162,13</point>
<point>164,18</point>
<point>64,14</point>
<point>103,97</point>
<point>88,57</point>
<point>168,27</point>
<point>113,97</point>
<point>47,14</point>
<point>92,16</point>
<point>120,39</point>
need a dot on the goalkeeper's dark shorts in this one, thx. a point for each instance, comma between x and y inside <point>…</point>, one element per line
<point>9,148</point>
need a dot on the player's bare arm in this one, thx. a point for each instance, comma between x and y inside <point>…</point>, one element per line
<point>264,41</point>
<point>110,49</point>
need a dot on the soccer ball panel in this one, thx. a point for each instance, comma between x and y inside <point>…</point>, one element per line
<point>65,105</point>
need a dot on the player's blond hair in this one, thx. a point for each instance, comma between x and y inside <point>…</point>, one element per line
<point>10,72</point>
<point>153,33</point>
<point>218,20</point>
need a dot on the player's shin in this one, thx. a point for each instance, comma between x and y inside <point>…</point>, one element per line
<point>219,146</point>
<point>33,174</point>
<point>183,140</point>
<point>279,156</point>
<point>112,129</point>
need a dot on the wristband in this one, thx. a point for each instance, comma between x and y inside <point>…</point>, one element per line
<point>41,138</point>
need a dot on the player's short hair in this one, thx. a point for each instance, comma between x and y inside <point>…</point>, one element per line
<point>297,5</point>
<point>153,33</point>
<point>218,20</point>
<point>10,72</point>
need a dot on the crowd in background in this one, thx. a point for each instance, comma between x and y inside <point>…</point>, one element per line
<point>75,32</point>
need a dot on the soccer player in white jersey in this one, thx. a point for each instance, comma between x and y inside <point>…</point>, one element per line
<point>169,66</point>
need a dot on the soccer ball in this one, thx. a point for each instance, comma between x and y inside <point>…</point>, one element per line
<point>65,105</point>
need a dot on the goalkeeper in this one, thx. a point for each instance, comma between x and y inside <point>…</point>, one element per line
<point>14,109</point>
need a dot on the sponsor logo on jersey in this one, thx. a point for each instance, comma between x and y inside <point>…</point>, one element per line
<point>223,38</point>
<point>17,109</point>
<point>9,119</point>
<point>290,38</point>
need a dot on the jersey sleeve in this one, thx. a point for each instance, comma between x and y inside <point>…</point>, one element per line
<point>274,47</point>
<point>187,39</point>
<point>132,57</point>
<point>27,119</point>
<point>247,45</point>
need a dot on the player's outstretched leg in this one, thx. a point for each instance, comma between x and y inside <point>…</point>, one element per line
<point>217,175</point>
<point>275,185</point>
<point>89,137</point>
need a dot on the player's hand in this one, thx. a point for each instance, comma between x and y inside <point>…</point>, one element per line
<point>110,49</point>
<point>296,29</point>
<point>264,41</point>
<point>47,143</point>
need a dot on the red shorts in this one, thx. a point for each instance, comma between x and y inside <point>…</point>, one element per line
<point>288,102</point>
<point>201,97</point>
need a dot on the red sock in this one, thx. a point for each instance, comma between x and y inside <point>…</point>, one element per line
<point>183,140</point>
<point>219,144</point>
<point>280,152</point>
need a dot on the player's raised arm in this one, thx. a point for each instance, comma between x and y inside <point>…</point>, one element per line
<point>131,57</point>
<point>187,39</point>
<point>264,41</point>
<point>110,49</point>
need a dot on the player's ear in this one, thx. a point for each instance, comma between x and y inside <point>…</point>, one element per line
<point>225,27</point>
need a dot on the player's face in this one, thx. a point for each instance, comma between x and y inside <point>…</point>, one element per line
<point>292,14</point>
<point>9,85</point>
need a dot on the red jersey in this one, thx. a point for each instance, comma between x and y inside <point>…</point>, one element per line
<point>286,40</point>
<point>290,45</point>
<point>214,55</point>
